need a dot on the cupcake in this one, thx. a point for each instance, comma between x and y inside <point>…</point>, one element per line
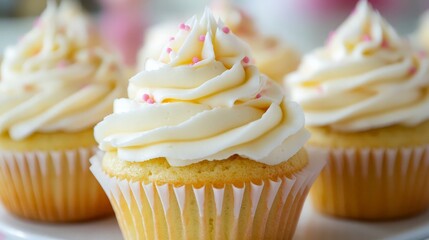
<point>366,100</point>
<point>57,82</point>
<point>422,37</point>
<point>272,56</point>
<point>204,147</point>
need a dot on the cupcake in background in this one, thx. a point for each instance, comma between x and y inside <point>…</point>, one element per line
<point>204,147</point>
<point>123,24</point>
<point>272,56</point>
<point>57,82</point>
<point>366,99</point>
<point>423,31</point>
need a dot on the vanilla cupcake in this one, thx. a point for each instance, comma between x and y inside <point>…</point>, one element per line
<point>57,82</point>
<point>366,100</point>
<point>273,57</point>
<point>204,147</point>
<point>423,31</point>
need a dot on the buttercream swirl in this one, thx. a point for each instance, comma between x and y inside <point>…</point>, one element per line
<point>202,100</point>
<point>366,77</point>
<point>58,77</point>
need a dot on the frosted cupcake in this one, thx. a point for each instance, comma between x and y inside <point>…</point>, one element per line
<point>204,147</point>
<point>57,82</point>
<point>366,100</point>
<point>272,56</point>
<point>423,31</point>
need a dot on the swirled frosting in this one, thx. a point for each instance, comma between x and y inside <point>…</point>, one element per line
<point>366,77</point>
<point>58,77</point>
<point>202,100</point>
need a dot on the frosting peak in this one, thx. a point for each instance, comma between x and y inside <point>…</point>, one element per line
<point>58,77</point>
<point>203,100</point>
<point>366,77</point>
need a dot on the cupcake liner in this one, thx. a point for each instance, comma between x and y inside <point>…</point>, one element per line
<point>54,186</point>
<point>266,210</point>
<point>372,184</point>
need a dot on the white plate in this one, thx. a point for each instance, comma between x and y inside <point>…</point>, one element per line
<point>17,229</point>
<point>311,226</point>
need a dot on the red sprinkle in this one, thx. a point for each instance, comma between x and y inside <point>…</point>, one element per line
<point>202,38</point>
<point>384,44</point>
<point>169,50</point>
<point>246,59</point>
<point>225,30</point>
<point>258,95</point>
<point>412,70</point>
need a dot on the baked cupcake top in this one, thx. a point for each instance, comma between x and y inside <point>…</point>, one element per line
<point>202,100</point>
<point>365,77</point>
<point>58,77</point>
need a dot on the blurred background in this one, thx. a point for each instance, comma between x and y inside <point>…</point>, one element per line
<point>304,24</point>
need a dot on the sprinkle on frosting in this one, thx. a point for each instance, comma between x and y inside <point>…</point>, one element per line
<point>370,76</point>
<point>246,59</point>
<point>225,30</point>
<point>211,105</point>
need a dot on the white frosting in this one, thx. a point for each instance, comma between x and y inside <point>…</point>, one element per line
<point>210,110</point>
<point>366,77</point>
<point>58,77</point>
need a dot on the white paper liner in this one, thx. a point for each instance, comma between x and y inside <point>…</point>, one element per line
<point>373,183</point>
<point>269,210</point>
<point>51,185</point>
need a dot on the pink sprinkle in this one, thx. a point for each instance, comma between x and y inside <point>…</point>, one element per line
<point>258,95</point>
<point>146,97</point>
<point>225,30</point>
<point>150,101</point>
<point>187,28</point>
<point>412,70</point>
<point>202,38</point>
<point>366,38</point>
<point>62,64</point>
<point>422,54</point>
<point>172,39</point>
<point>169,50</point>
<point>384,44</point>
<point>246,59</point>
<point>195,60</point>
<point>182,26</point>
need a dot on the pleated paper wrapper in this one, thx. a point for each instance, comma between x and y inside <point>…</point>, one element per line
<point>53,186</point>
<point>266,210</point>
<point>372,184</point>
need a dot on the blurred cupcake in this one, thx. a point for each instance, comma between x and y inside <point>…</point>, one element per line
<point>57,82</point>
<point>204,147</point>
<point>423,31</point>
<point>272,56</point>
<point>366,100</point>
